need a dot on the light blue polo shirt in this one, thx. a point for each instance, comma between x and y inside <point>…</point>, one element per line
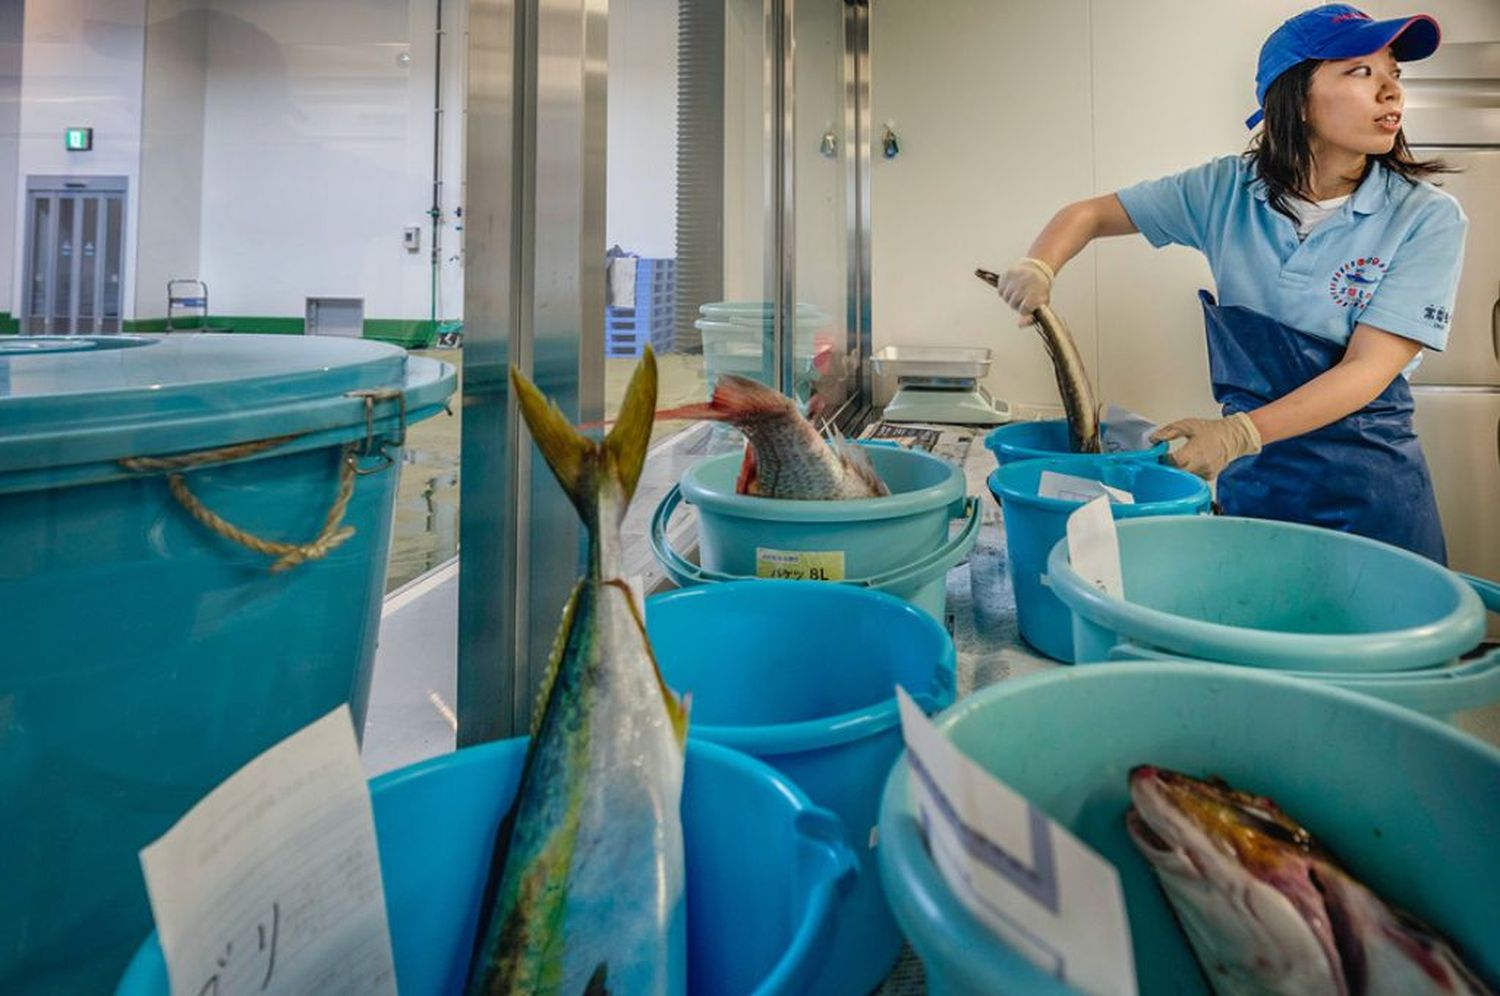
<point>1389,256</point>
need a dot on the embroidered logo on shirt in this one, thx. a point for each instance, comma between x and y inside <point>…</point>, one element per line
<point>1353,284</point>
<point>1436,315</point>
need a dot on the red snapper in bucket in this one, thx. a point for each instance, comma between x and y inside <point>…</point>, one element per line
<point>785,456</point>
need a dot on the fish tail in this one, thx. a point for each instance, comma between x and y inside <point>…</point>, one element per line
<point>578,461</point>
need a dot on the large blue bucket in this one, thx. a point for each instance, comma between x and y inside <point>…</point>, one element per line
<point>1049,438</point>
<point>803,677</point>
<point>1342,608</point>
<point>1033,524</point>
<point>148,653</point>
<point>764,872</point>
<point>898,543</point>
<point>1387,790</point>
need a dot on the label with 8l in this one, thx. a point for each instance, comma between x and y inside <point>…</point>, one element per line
<point>799,565</point>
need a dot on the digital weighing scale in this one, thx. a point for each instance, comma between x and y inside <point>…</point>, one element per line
<point>939,384</point>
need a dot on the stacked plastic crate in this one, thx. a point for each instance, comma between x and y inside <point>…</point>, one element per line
<point>628,330</point>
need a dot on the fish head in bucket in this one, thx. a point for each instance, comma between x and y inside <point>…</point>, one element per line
<point>785,456</point>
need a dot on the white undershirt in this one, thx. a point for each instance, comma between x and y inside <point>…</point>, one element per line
<point>1311,214</point>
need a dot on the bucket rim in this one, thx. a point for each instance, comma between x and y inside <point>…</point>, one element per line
<point>56,456</point>
<point>1416,647</point>
<point>936,922</point>
<point>771,739</point>
<point>832,863</point>
<point>892,506</point>
<point>994,441</point>
<point>1002,492</point>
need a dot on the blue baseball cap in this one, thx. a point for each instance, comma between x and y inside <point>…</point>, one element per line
<point>1338,31</point>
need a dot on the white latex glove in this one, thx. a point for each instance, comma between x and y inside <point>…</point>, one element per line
<point>1026,286</point>
<point>1212,443</point>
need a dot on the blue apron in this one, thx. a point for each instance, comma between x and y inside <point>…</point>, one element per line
<point>1363,474</point>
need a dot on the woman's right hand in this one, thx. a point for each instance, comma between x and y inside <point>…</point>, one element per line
<point>1026,286</point>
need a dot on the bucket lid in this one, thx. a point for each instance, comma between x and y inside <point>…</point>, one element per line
<point>70,399</point>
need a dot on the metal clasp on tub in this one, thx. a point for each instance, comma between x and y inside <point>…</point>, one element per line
<point>372,447</point>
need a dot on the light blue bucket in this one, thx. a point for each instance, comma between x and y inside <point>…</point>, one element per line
<point>147,655</point>
<point>1049,438</point>
<point>803,677</point>
<point>1033,524</point>
<point>1346,609</point>
<point>765,869</point>
<point>898,543</point>
<point>1387,790</point>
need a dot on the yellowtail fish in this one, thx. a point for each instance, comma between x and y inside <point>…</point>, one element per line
<point>1268,911</point>
<point>1072,376</point>
<point>785,457</point>
<point>585,894</point>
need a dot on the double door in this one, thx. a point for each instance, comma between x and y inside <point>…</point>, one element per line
<point>74,244</point>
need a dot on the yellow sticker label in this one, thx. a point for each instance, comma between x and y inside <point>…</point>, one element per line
<point>799,565</point>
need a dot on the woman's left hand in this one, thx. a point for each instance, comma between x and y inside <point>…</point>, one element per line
<point>1212,443</point>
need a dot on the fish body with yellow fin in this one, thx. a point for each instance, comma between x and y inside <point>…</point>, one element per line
<point>586,888</point>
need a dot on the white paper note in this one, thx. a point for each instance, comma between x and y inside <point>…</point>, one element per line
<point>1094,547</point>
<point>1122,429</point>
<point>1036,886</point>
<point>1069,487</point>
<point>271,883</point>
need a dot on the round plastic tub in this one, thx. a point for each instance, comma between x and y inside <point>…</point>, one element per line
<point>1319,603</point>
<point>803,677</point>
<point>1033,524</point>
<point>1408,804</point>
<point>150,651</point>
<point>765,869</point>
<point>1049,438</point>
<point>898,543</point>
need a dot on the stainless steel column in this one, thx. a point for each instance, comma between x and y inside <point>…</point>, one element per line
<point>857,143</point>
<point>534,296</point>
<point>781,187</point>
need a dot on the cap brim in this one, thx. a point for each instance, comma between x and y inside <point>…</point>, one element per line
<point>1409,38</point>
<point>1255,118</point>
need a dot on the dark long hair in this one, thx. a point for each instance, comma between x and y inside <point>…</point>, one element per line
<point>1283,155</point>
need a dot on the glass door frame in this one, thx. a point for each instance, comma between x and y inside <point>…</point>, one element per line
<point>106,190</point>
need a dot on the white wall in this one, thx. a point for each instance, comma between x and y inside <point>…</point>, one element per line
<point>82,68</point>
<point>171,176</point>
<point>317,152</point>
<point>642,170</point>
<point>11,27</point>
<point>822,234</point>
<point>1009,110</point>
<point>744,151</point>
<point>991,102</point>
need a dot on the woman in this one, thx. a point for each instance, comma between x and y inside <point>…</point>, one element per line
<point>1336,264</point>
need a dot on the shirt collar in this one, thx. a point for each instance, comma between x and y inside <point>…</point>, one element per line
<point>1368,198</point>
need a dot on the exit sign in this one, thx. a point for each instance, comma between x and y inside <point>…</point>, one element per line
<point>78,139</point>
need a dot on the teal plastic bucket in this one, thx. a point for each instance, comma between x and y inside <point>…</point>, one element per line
<point>1273,594</point>
<point>898,543</point>
<point>803,677</point>
<point>765,870</point>
<point>1033,524</point>
<point>149,655</point>
<point>1049,438</point>
<point>1315,602</point>
<point>1387,790</point>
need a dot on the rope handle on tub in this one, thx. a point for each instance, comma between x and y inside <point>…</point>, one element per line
<point>289,555</point>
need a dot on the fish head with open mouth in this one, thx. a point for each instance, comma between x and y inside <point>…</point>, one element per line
<point>1236,869</point>
<point>1267,909</point>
